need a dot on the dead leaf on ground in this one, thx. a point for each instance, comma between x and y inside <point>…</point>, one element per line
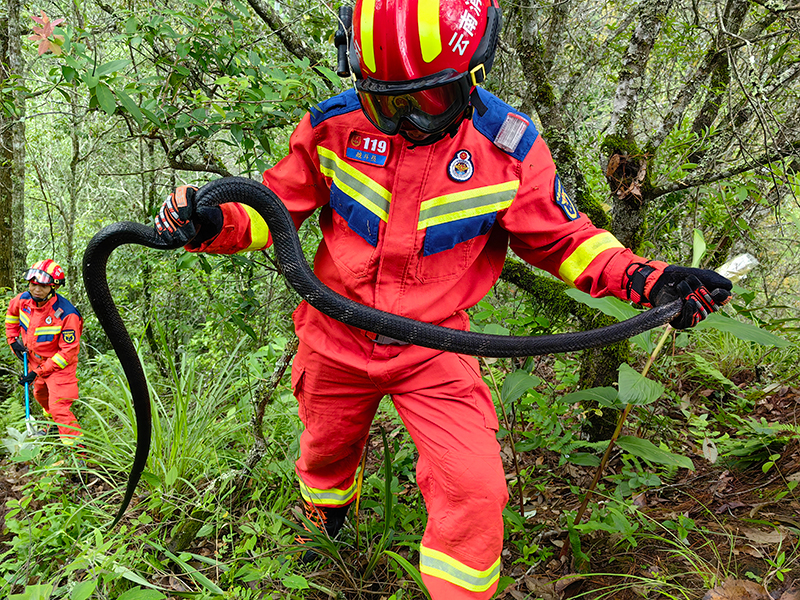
<point>775,536</point>
<point>737,589</point>
<point>542,588</point>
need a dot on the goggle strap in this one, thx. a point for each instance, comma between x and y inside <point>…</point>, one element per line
<point>474,72</point>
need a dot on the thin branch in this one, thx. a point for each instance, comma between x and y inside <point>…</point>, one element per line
<point>764,159</point>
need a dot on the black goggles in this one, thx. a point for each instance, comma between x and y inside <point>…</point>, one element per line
<point>429,103</point>
<point>39,276</point>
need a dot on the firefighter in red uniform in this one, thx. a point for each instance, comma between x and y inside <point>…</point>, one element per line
<point>423,180</point>
<point>48,327</point>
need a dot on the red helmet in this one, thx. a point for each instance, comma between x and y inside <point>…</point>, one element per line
<point>419,59</point>
<point>46,272</point>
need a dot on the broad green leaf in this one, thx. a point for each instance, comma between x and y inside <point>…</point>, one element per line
<point>138,593</point>
<point>604,396</point>
<point>83,590</point>
<point>153,118</point>
<point>90,79</point>
<point>151,479</point>
<point>744,331</point>
<point>129,105</point>
<point>613,307</point>
<point>242,7</point>
<point>34,592</point>
<point>635,389</point>
<point>584,459</point>
<point>110,67</point>
<point>648,451</point>
<point>134,577</point>
<point>698,248</point>
<point>516,384</point>
<point>105,98</point>
<point>171,476</point>
<point>295,582</point>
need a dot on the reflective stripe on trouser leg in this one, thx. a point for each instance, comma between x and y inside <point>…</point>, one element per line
<point>336,404</point>
<point>449,413</point>
<point>438,565</point>
<point>55,394</point>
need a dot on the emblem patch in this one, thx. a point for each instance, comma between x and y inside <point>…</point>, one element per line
<point>368,148</point>
<point>461,167</point>
<point>68,335</point>
<point>48,320</point>
<point>563,200</point>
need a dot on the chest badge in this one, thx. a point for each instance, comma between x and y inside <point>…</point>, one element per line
<point>48,320</point>
<point>368,148</point>
<point>461,167</point>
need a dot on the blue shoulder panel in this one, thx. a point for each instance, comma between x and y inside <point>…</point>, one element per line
<point>338,105</point>
<point>66,306</point>
<point>25,296</point>
<point>490,122</point>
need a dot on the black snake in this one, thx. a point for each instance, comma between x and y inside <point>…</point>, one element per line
<point>300,276</point>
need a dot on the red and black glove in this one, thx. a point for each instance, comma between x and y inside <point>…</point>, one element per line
<point>27,378</point>
<point>18,348</point>
<point>654,285</point>
<point>181,221</point>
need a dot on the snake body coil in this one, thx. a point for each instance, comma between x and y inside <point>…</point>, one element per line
<point>300,276</point>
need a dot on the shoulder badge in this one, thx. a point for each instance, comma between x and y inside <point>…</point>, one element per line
<point>68,335</point>
<point>461,167</point>
<point>564,201</point>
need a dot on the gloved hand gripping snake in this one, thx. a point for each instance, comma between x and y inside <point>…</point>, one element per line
<point>300,276</point>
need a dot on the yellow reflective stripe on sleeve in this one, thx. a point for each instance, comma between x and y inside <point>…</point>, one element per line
<point>60,361</point>
<point>437,564</point>
<point>368,193</point>
<point>332,497</point>
<point>259,231</point>
<point>24,319</point>
<point>581,258</point>
<point>48,330</point>
<point>430,36</point>
<point>469,203</point>
<point>12,320</point>
<point>367,31</point>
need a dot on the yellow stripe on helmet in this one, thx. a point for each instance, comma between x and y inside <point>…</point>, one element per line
<point>367,34</point>
<point>430,38</point>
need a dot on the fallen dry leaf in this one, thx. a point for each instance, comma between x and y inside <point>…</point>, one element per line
<point>737,589</point>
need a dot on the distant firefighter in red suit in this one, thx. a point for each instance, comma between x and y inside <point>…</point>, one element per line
<point>48,327</point>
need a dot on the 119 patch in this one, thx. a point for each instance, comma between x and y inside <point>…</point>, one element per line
<point>564,201</point>
<point>368,148</point>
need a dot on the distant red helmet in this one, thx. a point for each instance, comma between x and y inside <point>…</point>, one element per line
<point>46,272</point>
<point>419,59</point>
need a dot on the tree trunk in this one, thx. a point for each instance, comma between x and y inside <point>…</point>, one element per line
<point>13,252</point>
<point>6,160</point>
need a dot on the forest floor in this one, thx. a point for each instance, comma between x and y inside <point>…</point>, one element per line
<point>743,542</point>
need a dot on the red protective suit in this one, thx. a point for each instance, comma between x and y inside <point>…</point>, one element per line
<point>52,334</point>
<point>421,232</point>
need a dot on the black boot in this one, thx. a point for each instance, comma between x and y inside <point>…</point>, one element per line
<point>330,517</point>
